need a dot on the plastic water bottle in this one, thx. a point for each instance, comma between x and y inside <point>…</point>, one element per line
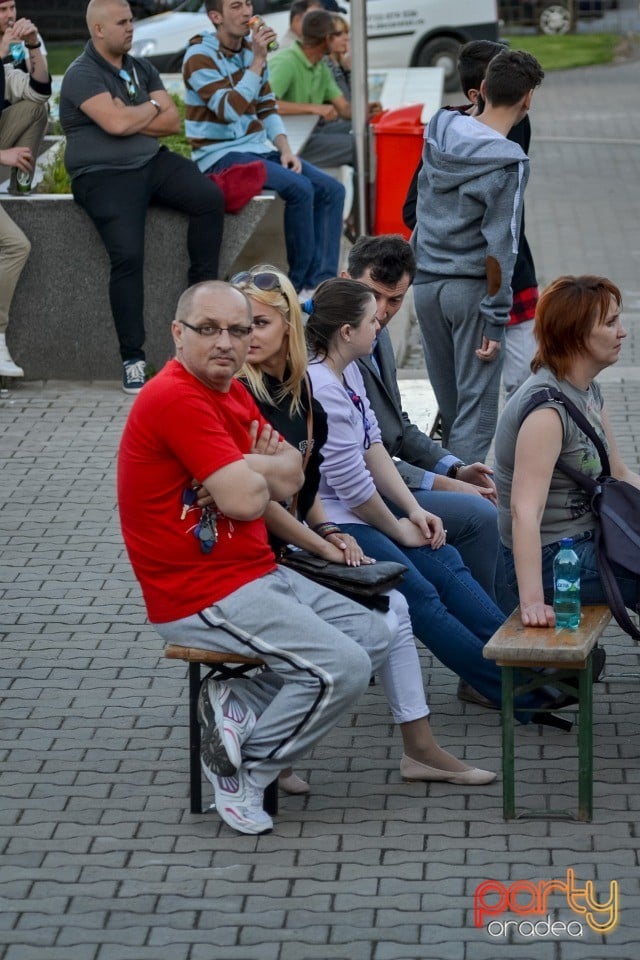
<point>17,51</point>
<point>566,585</point>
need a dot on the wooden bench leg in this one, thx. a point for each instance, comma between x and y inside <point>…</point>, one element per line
<point>195,772</point>
<point>271,798</point>
<point>585,742</point>
<point>508,775</point>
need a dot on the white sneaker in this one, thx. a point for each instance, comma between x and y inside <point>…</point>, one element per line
<point>7,367</point>
<point>225,725</point>
<point>239,803</point>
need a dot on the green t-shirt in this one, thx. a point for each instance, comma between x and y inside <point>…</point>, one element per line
<point>294,78</point>
<point>567,512</point>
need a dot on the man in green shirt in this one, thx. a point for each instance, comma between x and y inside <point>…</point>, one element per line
<point>303,83</point>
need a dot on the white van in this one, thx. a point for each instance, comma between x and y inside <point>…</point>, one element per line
<point>402,33</point>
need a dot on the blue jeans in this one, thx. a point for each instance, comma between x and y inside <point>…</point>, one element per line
<point>472,528</point>
<point>314,202</point>
<point>450,613</point>
<point>591,589</point>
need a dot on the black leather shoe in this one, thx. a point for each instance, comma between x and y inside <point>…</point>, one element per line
<point>551,720</point>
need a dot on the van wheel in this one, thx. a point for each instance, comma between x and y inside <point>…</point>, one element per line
<point>555,18</point>
<point>442,52</point>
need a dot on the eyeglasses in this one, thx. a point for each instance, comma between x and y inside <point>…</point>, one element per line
<point>265,281</point>
<point>132,90</point>
<point>213,331</point>
<point>359,405</point>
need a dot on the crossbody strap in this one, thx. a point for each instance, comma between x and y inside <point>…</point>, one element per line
<point>556,396</point>
<point>293,507</point>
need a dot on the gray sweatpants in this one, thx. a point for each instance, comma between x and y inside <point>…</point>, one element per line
<point>320,648</point>
<point>467,389</point>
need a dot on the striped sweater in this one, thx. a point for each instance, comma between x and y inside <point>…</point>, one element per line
<point>228,107</point>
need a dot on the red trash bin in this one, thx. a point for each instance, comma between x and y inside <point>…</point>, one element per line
<point>398,148</point>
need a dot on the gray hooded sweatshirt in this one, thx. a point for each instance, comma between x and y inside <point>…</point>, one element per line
<point>470,196</point>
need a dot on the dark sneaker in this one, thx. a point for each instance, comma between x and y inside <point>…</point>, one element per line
<point>239,803</point>
<point>225,724</point>
<point>134,376</point>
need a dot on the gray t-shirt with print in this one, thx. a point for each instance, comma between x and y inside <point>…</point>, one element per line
<point>567,512</point>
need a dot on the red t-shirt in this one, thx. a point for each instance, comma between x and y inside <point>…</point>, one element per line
<point>179,429</point>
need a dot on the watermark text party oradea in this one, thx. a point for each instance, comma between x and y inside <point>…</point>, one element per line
<point>533,904</point>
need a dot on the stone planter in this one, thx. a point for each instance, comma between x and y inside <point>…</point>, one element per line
<point>61,326</point>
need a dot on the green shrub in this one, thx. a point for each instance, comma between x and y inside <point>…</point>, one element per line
<point>56,179</point>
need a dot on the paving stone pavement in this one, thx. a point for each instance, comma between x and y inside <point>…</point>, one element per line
<point>100,858</point>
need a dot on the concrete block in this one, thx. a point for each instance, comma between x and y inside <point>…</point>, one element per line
<point>61,325</point>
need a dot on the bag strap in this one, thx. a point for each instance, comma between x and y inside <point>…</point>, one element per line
<point>293,507</point>
<point>615,600</point>
<point>547,394</point>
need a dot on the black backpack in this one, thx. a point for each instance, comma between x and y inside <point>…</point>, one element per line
<point>615,504</point>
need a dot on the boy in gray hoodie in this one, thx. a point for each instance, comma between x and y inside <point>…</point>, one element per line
<point>470,195</point>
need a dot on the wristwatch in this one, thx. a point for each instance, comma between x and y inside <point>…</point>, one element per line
<point>156,104</point>
<point>453,470</point>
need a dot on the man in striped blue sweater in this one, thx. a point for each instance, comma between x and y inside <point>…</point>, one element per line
<point>232,118</point>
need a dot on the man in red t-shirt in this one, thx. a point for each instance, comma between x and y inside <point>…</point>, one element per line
<point>208,575</point>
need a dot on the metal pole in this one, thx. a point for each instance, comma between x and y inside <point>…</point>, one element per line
<point>360,106</point>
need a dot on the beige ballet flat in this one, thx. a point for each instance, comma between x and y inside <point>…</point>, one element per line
<point>293,784</point>
<point>473,777</point>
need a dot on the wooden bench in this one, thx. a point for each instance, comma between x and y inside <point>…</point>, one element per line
<point>526,649</point>
<point>222,666</point>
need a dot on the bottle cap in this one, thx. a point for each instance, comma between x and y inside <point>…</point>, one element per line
<point>566,542</point>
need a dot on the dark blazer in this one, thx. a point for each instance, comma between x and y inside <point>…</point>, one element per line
<point>416,452</point>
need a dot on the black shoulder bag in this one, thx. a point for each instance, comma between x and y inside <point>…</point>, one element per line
<point>616,506</point>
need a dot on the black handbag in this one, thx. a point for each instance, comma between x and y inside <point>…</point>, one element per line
<point>616,506</point>
<point>367,584</point>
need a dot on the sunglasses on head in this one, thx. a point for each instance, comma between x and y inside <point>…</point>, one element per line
<point>265,281</point>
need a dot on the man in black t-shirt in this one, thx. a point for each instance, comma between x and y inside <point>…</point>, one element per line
<point>113,109</point>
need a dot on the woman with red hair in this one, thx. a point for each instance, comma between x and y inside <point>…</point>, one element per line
<point>579,332</point>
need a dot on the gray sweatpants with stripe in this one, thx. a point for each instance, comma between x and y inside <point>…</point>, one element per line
<point>467,389</point>
<point>320,649</point>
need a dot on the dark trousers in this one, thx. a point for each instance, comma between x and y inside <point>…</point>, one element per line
<point>117,202</point>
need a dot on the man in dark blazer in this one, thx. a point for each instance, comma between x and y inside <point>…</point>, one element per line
<point>464,495</point>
